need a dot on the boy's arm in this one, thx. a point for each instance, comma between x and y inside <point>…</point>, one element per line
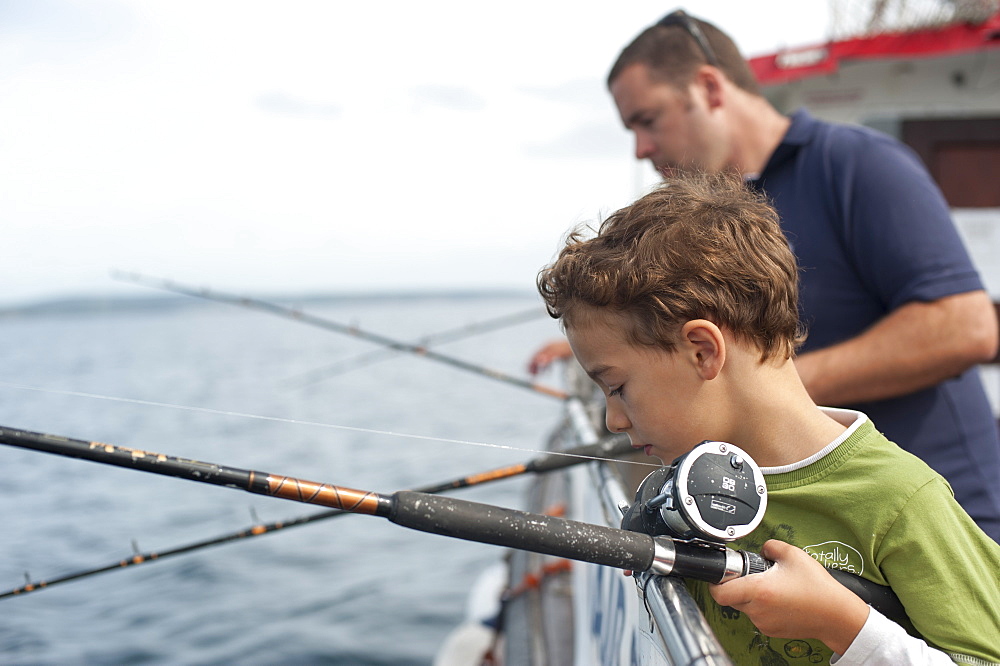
<point>882,642</point>
<point>796,598</point>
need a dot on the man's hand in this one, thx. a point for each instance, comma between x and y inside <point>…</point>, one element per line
<point>796,598</point>
<point>556,350</point>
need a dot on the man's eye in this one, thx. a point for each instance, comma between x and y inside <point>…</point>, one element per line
<point>617,391</point>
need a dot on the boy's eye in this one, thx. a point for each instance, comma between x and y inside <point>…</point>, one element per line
<point>617,391</point>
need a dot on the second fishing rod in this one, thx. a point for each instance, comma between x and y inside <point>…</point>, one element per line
<point>329,325</point>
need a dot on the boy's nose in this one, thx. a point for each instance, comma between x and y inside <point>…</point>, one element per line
<point>616,420</point>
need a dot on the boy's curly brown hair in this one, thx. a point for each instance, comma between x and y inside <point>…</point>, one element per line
<point>697,247</point>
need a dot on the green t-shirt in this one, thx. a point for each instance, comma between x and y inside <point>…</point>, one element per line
<point>866,506</point>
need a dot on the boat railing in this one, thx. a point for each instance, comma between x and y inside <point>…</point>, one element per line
<point>642,619</point>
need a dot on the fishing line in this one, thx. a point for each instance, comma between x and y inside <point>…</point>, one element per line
<point>317,424</point>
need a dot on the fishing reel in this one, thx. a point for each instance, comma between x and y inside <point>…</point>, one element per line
<point>715,493</point>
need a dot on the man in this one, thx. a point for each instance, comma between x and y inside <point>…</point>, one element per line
<point>896,313</point>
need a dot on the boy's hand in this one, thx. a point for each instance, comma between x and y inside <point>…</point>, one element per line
<point>796,598</point>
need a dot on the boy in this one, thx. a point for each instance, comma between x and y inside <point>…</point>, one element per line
<point>683,309</point>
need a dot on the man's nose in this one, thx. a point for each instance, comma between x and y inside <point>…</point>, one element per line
<point>644,147</point>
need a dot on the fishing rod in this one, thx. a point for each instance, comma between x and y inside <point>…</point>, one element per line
<point>450,335</point>
<point>446,516</point>
<point>609,448</point>
<point>327,324</point>
<point>471,521</point>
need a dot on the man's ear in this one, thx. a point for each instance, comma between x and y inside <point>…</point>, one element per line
<point>706,347</point>
<point>710,80</point>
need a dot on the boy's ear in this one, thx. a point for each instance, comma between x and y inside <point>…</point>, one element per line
<point>706,347</point>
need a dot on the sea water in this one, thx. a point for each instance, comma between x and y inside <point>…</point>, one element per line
<point>228,385</point>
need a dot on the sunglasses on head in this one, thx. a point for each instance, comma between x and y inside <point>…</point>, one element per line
<point>680,18</point>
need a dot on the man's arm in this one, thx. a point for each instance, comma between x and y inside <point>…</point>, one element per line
<point>916,346</point>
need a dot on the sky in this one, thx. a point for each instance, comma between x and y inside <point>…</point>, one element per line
<point>310,146</point>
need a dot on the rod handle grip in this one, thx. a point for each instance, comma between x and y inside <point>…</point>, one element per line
<point>533,532</point>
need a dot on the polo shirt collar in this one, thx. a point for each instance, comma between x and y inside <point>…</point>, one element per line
<point>799,133</point>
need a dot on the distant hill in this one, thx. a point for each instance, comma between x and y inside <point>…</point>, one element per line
<point>106,304</point>
<point>94,304</point>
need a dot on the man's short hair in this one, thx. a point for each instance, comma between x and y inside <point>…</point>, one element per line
<point>697,247</point>
<point>673,55</point>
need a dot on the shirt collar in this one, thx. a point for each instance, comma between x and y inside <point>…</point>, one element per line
<point>849,418</point>
<point>799,133</point>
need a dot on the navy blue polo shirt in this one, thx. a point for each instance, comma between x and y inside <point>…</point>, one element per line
<point>871,232</point>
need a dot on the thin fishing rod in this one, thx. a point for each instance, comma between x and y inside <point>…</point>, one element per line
<point>609,448</point>
<point>327,324</point>
<point>450,335</point>
<point>448,516</point>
